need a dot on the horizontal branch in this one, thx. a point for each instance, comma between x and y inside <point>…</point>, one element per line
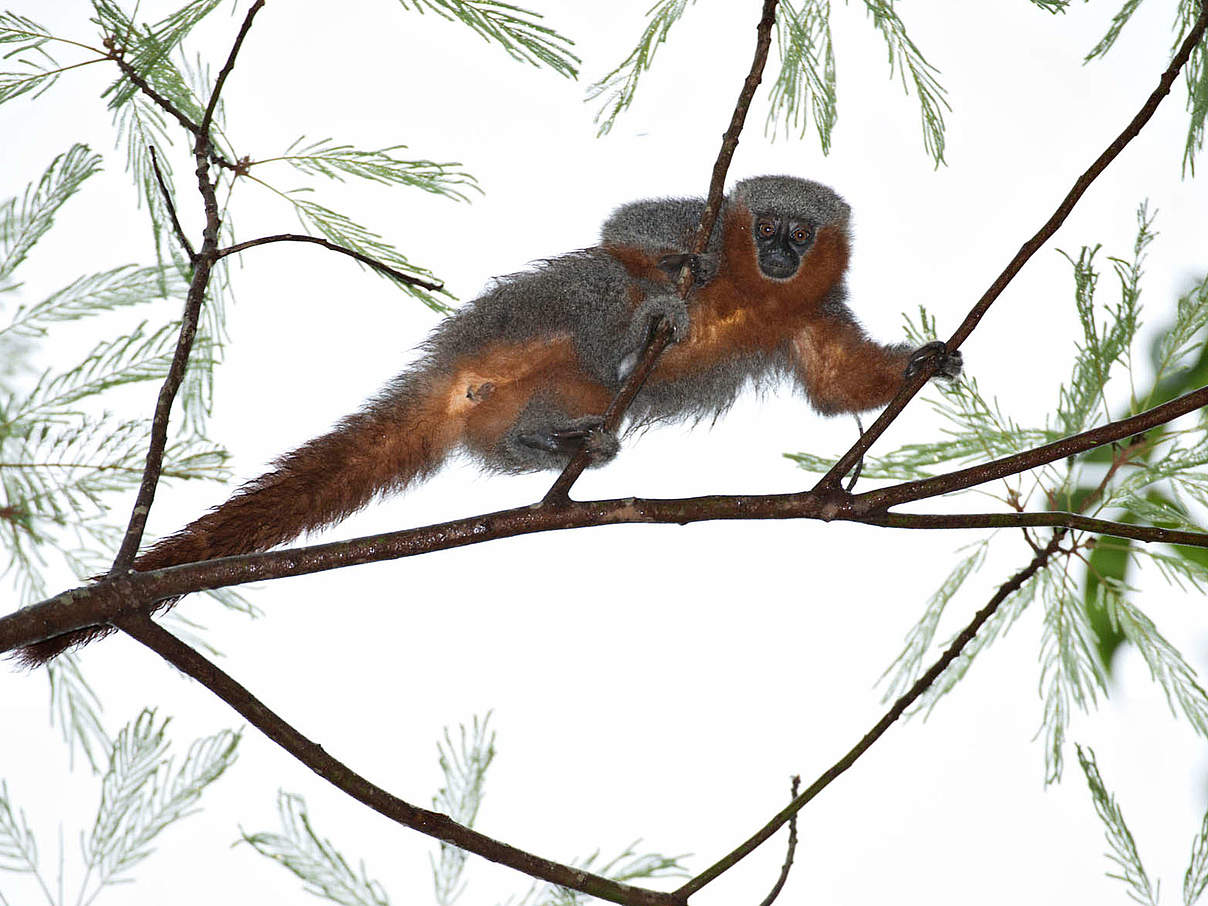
<point>311,754</point>
<point>1055,519</point>
<point>109,599</point>
<point>364,259</point>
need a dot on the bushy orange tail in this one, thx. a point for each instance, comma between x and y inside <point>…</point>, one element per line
<point>399,438</point>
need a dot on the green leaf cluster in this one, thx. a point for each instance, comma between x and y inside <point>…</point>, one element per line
<point>518,31</point>
<point>1122,847</point>
<point>805,83</point>
<point>1158,480</point>
<point>1195,73</point>
<point>464,758</point>
<point>144,791</point>
<point>463,764</point>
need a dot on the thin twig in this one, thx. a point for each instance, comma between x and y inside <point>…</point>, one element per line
<point>203,265</point>
<point>144,86</point>
<point>792,851</point>
<point>923,683</point>
<point>364,259</point>
<point>163,188</point>
<point>660,336</point>
<point>1026,251</point>
<point>228,66</point>
<point>311,754</point>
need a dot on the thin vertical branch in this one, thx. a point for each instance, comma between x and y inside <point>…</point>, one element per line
<point>790,855</point>
<point>228,66</point>
<point>661,335</point>
<point>203,263</point>
<point>171,205</point>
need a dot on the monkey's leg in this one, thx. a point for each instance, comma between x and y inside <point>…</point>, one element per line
<point>546,437</point>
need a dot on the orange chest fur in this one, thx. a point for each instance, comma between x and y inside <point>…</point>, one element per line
<point>742,311</point>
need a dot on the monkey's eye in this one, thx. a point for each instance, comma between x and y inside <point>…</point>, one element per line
<point>803,234</point>
<point>765,228</point>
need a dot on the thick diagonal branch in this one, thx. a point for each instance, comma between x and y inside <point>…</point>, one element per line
<point>313,755</point>
<point>912,695</point>
<point>912,386</point>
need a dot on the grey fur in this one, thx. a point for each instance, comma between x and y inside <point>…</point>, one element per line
<point>655,224</point>
<point>587,294</point>
<point>794,197</point>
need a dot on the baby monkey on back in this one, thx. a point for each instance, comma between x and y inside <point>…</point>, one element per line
<point>520,377</point>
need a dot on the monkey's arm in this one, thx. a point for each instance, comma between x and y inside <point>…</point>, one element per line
<point>843,370</point>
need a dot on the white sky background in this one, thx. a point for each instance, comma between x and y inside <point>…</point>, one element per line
<point>655,682</point>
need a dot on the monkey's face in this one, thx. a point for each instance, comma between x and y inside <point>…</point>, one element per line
<point>781,243</point>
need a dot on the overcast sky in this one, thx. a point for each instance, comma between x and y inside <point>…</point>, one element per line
<point>647,681</point>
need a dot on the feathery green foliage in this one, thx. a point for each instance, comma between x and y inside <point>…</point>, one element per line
<point>1119,838</point>
<point>626,866</point>
<point>1147,481</point>
<point>344,231</point>
<point>61,459</point>
<point>1070,673</point>
<point>1195,73</point>
<point>18,848</point>
<point>913,69</point>
<point>1196,877</point>
<point>806,77</point>
<point>38,69</point>
<point>143,792</point>
<point>25,220</point>
<point>1103,344</point>
<point>619,87</point>
<point>518,31</point>
<point>464,767</point>
<point>464,761</point>
<point>906,667</point>
<point>805,84</point>
<point>325,158</point>
<point>148,51</point>
<point>76,709</point>
<point>315,860</point>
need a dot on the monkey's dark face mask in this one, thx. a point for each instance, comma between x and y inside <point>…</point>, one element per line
<point>781,243</point>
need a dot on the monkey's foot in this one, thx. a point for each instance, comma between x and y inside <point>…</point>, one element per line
<point>948,365</point>
<point>565,439</point>
<point>703,267</point>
